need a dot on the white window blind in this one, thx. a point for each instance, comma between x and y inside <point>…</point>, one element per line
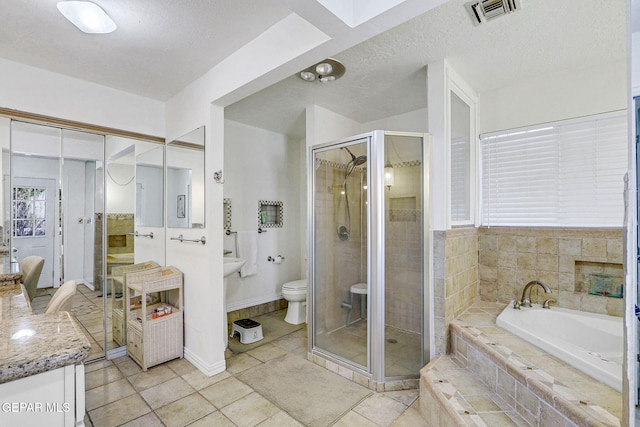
<point>460,180</point>
<point>565,174</point>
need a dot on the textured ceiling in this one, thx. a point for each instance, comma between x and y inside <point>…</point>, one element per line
<point>386,74</point>
<point>163,45</point>
<point>159,47</point>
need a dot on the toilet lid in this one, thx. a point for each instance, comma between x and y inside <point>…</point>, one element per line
<point>296,285</point>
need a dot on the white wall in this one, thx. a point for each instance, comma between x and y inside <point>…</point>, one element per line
<point>149,195</point>
<point>74,179</point>
<point>326,126</point>
<point>635,61</point>
<point>262,165</point>
<point>43,92</point>
<point>90,227</point>
<point>413,121</point>
<point>554,97</point>
<point>120,188</point>
<point>5,138</point>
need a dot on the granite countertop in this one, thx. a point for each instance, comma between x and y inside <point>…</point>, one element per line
<point>13,302</point>
<point>30,345</point>
<point>9,270</point>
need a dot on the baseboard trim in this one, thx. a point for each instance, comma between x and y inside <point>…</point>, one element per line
<point>114,353</point>
<point>209,369</point>
<point>250,303</point>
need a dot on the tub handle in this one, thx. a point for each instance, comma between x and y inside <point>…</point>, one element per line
<point>547,303</point>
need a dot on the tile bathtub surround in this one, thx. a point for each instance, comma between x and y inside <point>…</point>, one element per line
<point>538,387</point>
<point>452,395</point>
<point>455,265</point>
<point>561,258</point>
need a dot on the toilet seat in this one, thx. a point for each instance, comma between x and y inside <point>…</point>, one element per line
<point>297,285</point>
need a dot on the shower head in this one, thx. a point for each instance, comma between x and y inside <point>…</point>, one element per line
<point>355,161</point>
<point>360,160</point>
<point>353,158</point>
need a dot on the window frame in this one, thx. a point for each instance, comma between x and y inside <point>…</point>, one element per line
<point>578,203</point>
<point>462,94</point>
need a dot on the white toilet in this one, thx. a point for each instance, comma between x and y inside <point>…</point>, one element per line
<point>296,294</point>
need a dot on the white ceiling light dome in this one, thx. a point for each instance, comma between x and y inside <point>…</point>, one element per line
<point>325,71</point>
<point>87,16</point>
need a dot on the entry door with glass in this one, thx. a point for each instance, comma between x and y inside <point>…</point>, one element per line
<point>33,203</point>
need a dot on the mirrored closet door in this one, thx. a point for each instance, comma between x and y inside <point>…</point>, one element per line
<point>85,202</point>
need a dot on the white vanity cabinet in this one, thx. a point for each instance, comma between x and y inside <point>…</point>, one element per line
<point>53,398</point>
<point>155,317</point>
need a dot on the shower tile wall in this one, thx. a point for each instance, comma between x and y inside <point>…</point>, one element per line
<point>455,265</point>
<point>342,263</point>
<point>561,258</point>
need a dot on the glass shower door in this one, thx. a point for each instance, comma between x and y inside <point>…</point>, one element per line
<point>404,255</point>
<point>340,271</point>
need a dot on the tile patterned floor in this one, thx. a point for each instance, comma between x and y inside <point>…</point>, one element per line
<point>119,393</point>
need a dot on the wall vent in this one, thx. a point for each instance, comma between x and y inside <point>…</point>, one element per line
<point>486,10</point>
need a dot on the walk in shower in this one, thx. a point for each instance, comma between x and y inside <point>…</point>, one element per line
<point>368,247</point>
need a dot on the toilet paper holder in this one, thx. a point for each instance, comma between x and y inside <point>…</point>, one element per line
<point>278,259</point>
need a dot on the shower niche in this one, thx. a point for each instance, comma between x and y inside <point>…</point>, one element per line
<point>270,214</point>
<point>368,251</point>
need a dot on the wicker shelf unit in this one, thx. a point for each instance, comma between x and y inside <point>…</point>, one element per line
<point>117,280</point>
<point>154,335</point>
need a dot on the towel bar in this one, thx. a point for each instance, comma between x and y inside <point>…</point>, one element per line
<point>202,240</point>
<point>136,234</point>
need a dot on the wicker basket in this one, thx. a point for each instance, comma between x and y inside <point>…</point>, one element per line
<point>155,279</point>
<point>124,269</point>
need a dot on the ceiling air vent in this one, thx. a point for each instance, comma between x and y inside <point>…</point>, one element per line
<point>486,10</point>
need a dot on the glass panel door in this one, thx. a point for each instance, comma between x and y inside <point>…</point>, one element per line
<point>403,283</point>
<point>340,270</point>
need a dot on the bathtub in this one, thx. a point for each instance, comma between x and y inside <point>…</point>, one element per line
<point>592,343</point>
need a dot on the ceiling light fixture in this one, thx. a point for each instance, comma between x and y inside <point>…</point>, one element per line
<point>326,71</point>
<point>87,16</point>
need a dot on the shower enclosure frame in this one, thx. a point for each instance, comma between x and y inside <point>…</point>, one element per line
<point>375,369</point>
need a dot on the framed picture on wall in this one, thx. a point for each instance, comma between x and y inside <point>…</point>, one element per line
<point>181,205</point>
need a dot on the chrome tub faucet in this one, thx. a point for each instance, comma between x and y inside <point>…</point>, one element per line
<point>526,293</point>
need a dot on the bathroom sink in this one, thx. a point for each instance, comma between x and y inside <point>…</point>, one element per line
<point>232,265</point>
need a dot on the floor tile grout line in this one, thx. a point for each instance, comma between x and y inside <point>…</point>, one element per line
<point>355,405</point>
